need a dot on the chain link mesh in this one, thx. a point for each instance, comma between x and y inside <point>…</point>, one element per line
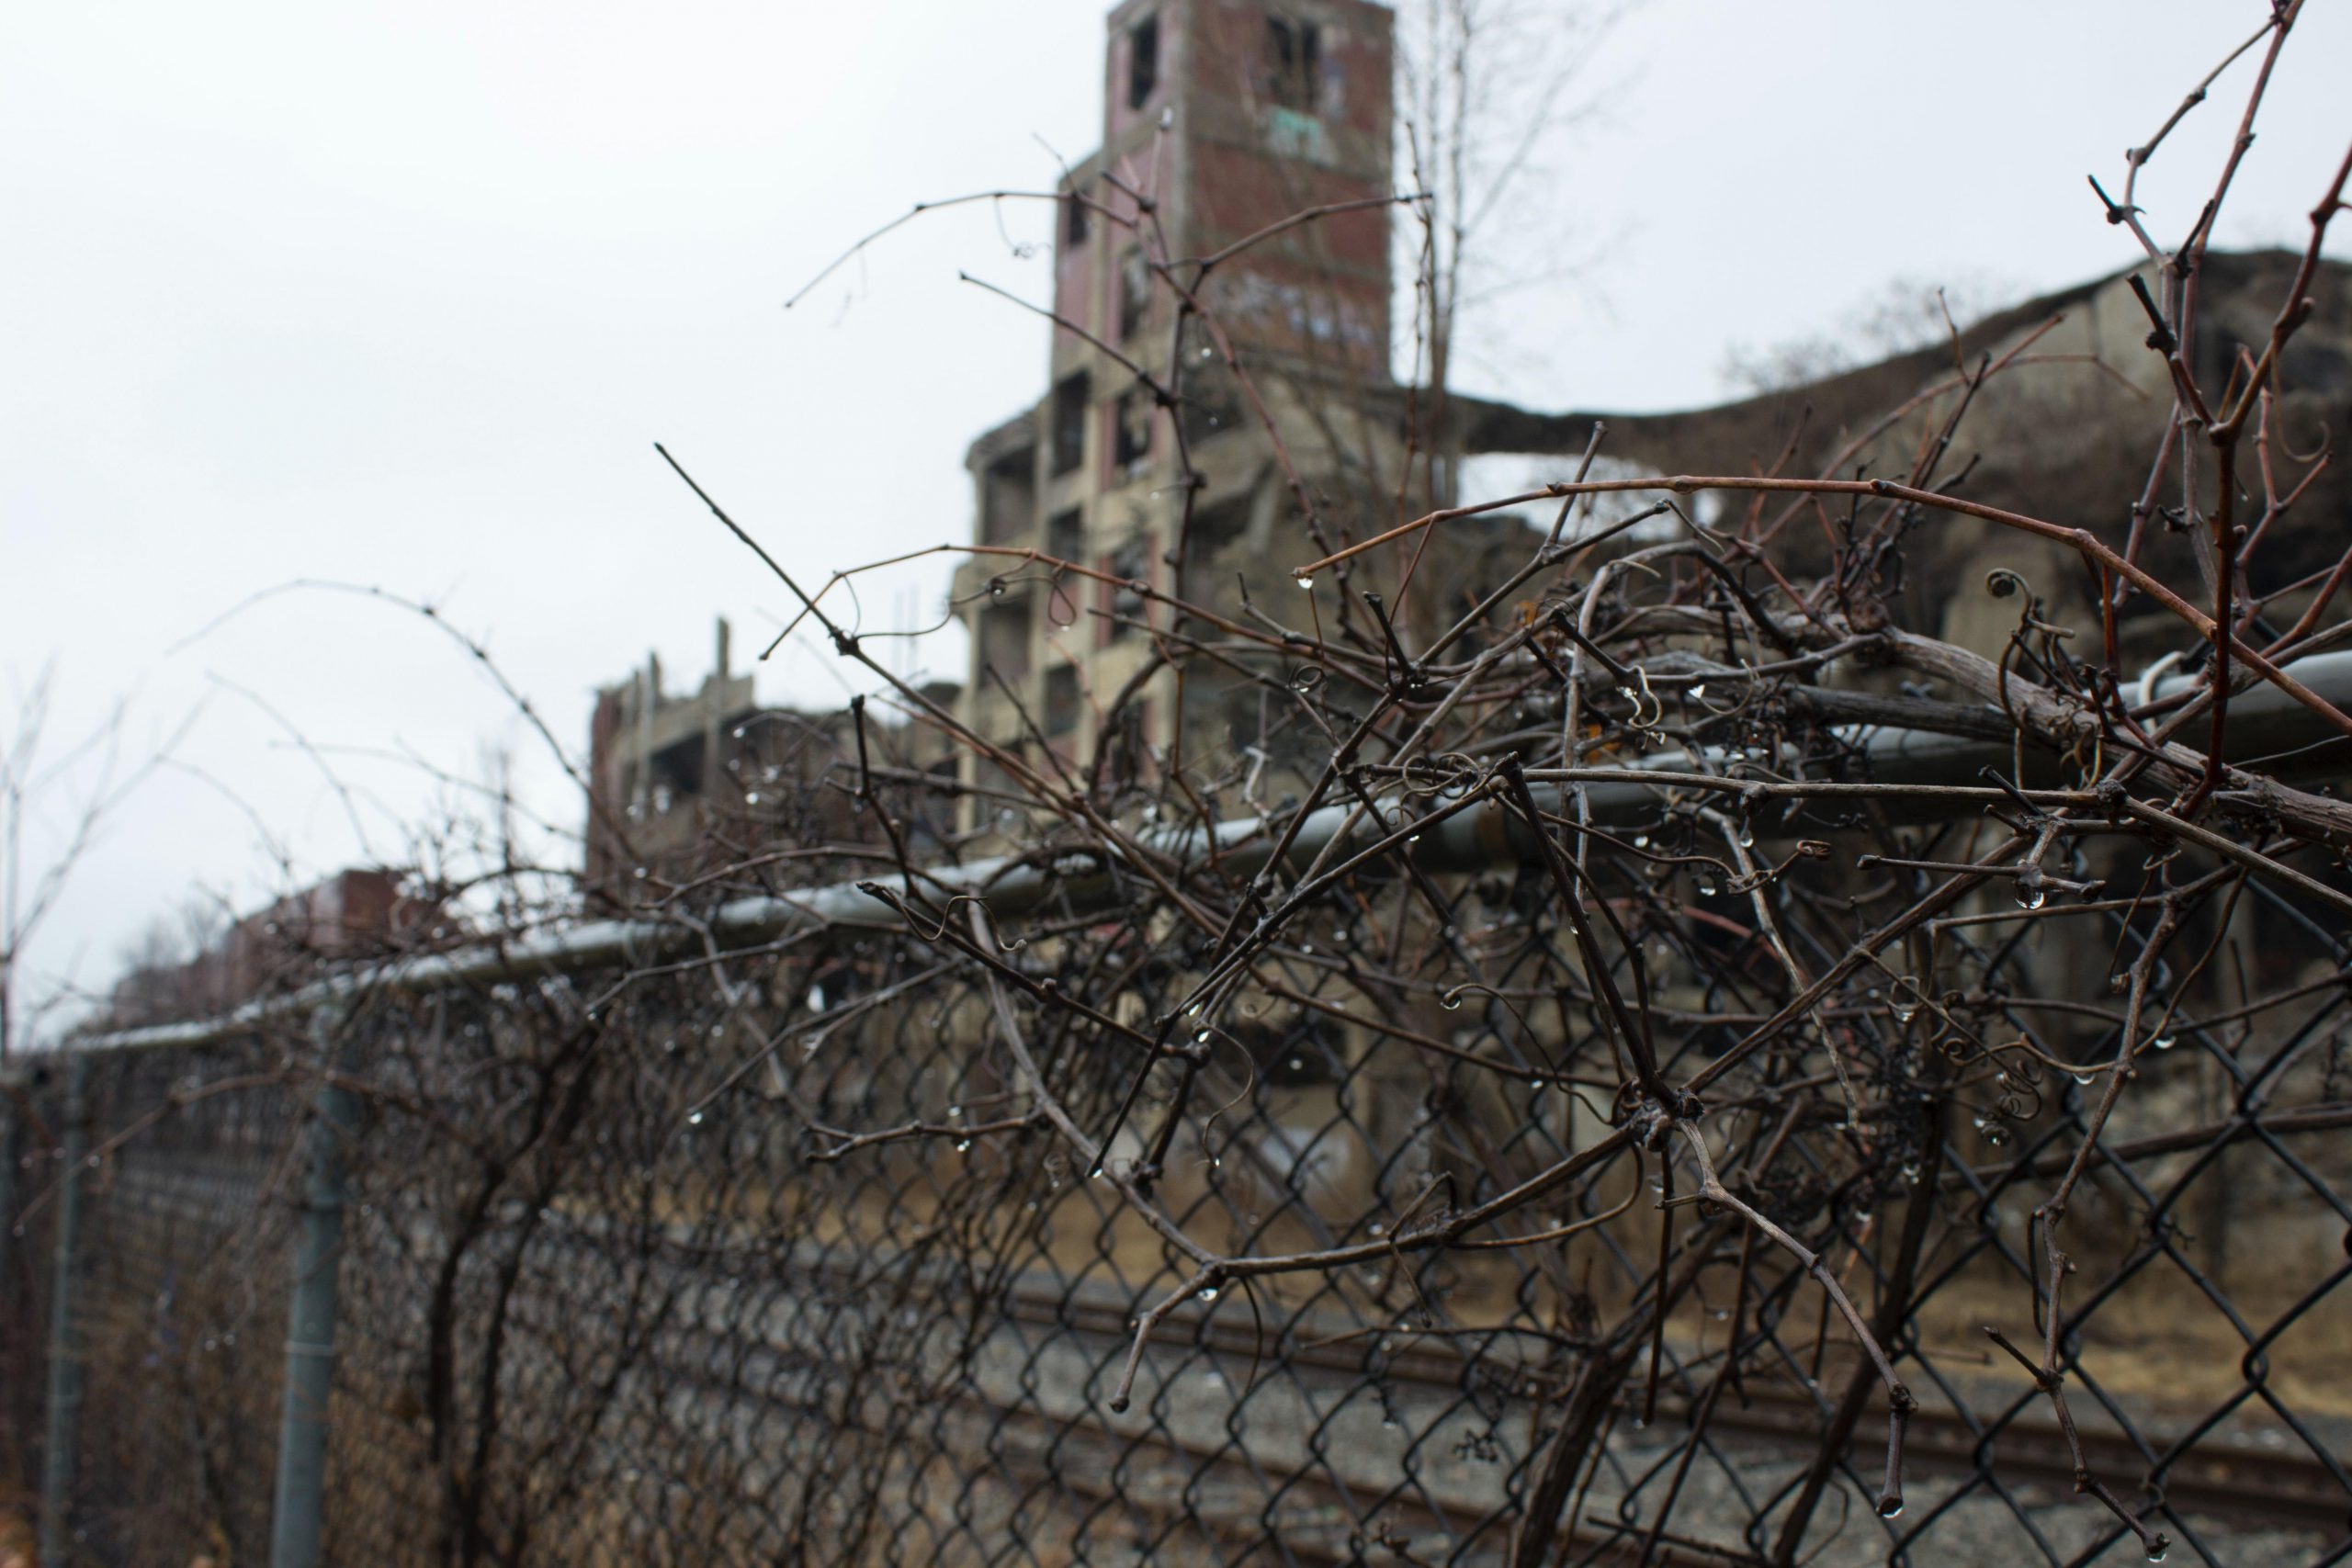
<point>783,1258</point>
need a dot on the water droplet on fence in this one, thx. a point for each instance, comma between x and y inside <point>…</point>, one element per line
<point>1202,1038</point>
<point>2156,1554</point>
<point>1308,583</point>
<point>1890,1508</point>
<point>694,1119</point>
<point>1699,692</point>
<point>1206,1293</point>
<point>2030,897</point>
<point>963,1145</point>
<point>2164,1042</point>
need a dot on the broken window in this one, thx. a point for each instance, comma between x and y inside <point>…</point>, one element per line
<point>1135,293</point>
<point>1066,535</point>
<point>1061,700</point>
<point>1142,60</point>
<point>1009,498</point>
<point>1071,395</point>
<point>677,771</point>
<point>1131,564</point>
<point>1074,221</point>
<point>1133,446</point>
<point>1293,63</point>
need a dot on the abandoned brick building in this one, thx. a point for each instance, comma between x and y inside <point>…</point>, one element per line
<point>1223,118</point>
<point>362,913</point>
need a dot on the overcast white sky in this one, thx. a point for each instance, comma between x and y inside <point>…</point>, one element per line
<point>401,295</point>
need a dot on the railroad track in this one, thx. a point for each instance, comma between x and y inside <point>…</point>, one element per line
<point>1062,1411</point>
<point>2228,1479</point>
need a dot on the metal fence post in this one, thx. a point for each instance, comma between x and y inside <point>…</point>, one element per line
<point>299,1513</point>
<point>11,1152</point>
<point>63,1442</point>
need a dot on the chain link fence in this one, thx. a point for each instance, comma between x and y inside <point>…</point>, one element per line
<point>797,1254</point>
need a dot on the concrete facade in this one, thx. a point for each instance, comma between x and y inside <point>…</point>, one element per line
<point>1221,119</point>
<point>690,787</point>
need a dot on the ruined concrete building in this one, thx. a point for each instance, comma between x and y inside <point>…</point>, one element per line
<point>679,787</point>
<point>1224,118</point>
<point>1221,117</point>
<point>2065,433</point>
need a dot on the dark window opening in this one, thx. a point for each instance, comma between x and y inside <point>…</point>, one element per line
<point>1294,63</point>
<point>1066,535</point>
<point>1061,700</point>
<point>1071,395</point>
<point>1142,60</point>
<point>1131,564</point>
<point>1134,441</point>
<point>1135,293</point>
<point>1075,221</point>
<point>1009,498</point>
<point>677,773</point>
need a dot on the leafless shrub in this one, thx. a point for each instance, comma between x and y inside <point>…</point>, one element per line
<point>1583,1019</point>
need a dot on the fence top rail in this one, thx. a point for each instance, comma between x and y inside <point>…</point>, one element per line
<point>2263,721</point>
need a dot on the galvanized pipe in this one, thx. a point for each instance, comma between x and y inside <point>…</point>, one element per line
<point>12,1151</point>
<point>2263,722</point>
<point>63,1444</point>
